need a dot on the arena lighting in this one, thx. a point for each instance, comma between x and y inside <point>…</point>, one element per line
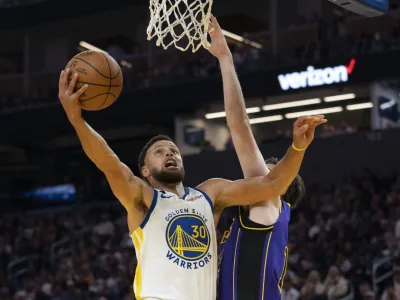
<point>241,39</point>
<point>88,46</point>
<point>222,114</point>
<point>266,119</point>
<point>340,97</point>
<point>359,106</point>
<point>322,111</point>
<point>292,104</point>
<point>126,64</point>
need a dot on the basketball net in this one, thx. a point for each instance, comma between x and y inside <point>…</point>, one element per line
<point>182,23</point>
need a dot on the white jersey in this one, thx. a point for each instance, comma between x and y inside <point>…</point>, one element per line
<point>176,248</point>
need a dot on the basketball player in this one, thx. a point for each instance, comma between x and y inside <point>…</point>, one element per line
<point>254,250</point>
<point>172,226</point>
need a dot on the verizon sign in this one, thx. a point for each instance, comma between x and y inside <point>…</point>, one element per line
<point>316,77</point>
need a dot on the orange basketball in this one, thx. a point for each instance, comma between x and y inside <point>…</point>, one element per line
<point>103,76</point>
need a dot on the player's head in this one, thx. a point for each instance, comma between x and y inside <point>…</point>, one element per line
<point>161,160</point>
<point>296,190</point>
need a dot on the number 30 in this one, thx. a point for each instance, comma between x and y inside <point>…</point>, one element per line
<point>198,231</point>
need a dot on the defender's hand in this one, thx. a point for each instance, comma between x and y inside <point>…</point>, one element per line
<point>304,128</point>
<point>218,47</point>
<point>68,97</point>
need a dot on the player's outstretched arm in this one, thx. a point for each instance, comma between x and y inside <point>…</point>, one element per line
<point>253,190</point>
<point>125,186</point>
<point>250,157</point>
<point>312,121</point>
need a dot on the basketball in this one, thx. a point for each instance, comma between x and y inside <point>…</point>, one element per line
<point>103,76</point>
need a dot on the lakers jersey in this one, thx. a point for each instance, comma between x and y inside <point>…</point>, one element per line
<point>254,258</point>
<point>176,248</point>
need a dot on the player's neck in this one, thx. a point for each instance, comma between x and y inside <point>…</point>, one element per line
<point>265,213</point>
<point>176,188</point>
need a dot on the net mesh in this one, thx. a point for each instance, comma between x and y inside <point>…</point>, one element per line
<point>182,23</point>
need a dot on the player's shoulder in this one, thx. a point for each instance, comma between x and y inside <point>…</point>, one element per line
<point>211,187</point>
<point>212,183</point>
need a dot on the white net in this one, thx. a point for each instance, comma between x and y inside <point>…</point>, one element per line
<point>182,23</point>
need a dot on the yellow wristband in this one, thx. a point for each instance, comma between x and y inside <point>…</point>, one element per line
<point>298,149</point>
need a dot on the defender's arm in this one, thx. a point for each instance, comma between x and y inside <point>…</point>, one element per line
<point>253,190</point>
<point>250,157</point>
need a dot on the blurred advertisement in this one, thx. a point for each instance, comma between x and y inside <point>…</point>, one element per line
<point>65,192</point>
<point>386,109</point>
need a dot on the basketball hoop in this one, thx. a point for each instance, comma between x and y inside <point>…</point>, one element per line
<point>182,23</point>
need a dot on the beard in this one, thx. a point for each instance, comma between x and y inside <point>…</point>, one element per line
<point>168,176</point>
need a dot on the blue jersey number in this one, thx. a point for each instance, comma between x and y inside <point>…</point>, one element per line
<point>282,278</point>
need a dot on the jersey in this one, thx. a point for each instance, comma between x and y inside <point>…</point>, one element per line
<point>176,248</point>
<point>254,258</point>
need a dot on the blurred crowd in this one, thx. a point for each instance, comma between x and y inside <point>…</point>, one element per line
<point>65,256</point>
<point>172,67</point>
<point>335,237</point>
<point>339,233</point>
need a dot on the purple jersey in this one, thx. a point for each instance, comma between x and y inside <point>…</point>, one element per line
<point>254,258</point>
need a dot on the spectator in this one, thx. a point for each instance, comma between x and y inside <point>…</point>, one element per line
<point>312,287</point>
<point>392,292</point>
<point>369,295</point>
<point>389,293</point>
<point>288,291</point>
<point>106,227</point>
<point>335,285</point>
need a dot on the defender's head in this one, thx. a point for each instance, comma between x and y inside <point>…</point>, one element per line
<point>161,160</point>
<point>296,190</point>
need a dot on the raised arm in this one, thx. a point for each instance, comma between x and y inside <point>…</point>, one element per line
<point>312,122</point>
<point>250,157</point>
<point>129,190</point>
<point>125,186</point>
<point>253,190</point>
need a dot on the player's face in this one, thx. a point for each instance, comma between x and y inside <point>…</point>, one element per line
<point>164,163</point>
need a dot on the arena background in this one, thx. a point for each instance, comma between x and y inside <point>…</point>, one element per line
<point>62,233</point>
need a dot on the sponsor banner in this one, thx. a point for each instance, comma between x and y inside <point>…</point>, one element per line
<point>314,77</point>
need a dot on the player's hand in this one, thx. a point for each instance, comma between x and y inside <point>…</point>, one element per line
<point>218,47</point>
<point>68,97</point>
<point>304,129</point>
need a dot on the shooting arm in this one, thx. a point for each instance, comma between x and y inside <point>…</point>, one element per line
<point>96,148</point>
<point>125,186</point>
<point>250,157</point>
<point>253,190</point>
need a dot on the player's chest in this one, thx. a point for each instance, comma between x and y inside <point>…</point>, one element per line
<point>187,216</point>
<point>192,204</point>
<point>189,231</point>
<point>190,213</point>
